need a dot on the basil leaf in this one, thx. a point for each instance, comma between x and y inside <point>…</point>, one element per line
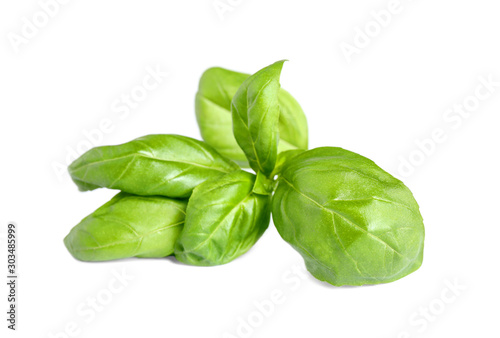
<point>216,90</point>
<point>224,219</point>
<point>128,226</point>
<point>213,111</point>
<point>167,165</point>
<point>352,222</point>
<point>292,124</point>
<point>255,110</point>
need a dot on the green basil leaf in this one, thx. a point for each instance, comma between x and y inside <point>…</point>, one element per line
<point>216,90</point>
<point>255,110</point>
<point>292,124</point>
<point>213,111</point>
<point>224,219</point>
<point>167,165</point>
<point>352,222</point>
<point>128,226</point>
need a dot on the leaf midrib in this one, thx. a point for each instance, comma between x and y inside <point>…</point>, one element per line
<point>126,241</point>
<point>331,211</point>
<point>149,157</point>
<point>220,223</point>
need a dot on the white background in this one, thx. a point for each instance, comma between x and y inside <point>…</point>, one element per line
<point>63,81</point>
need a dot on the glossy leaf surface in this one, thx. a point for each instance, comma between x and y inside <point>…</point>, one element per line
<point>128,226</point>
<point>255,111</point>
<point>216,90</point>
<point>167,165</point>
<point>352,222</point>
<point>224,220</point>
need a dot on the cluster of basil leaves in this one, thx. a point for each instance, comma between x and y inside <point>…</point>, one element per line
<point>352,222</point>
